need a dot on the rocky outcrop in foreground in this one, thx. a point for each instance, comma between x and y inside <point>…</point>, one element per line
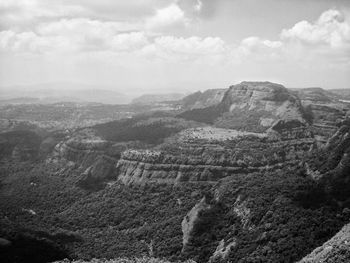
<point>191,221</point>
<point>336,250</point>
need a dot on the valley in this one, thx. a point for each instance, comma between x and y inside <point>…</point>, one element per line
<point>253,173</point>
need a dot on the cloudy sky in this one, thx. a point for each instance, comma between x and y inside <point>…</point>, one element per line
<point>175,45</point>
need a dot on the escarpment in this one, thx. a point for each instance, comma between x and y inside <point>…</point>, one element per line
<point>333,160</point>
<point>204,99</point>
<point>324,110</point>
<point>209,154</point>
<point>251,106</point>
<point>334,250</point>
<point>256,106</point>
<point>192,220</point>
<point>93,157</point>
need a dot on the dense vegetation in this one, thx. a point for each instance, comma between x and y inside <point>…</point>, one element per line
<point>205,115</point>
<point>273,216</point>
<point>143,128</point>
<point>115,221</point>
<point>286,208</point>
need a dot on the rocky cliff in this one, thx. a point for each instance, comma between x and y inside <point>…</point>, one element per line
<point>324,110</point>
<point>256,106</point>
<point>91,156</point>
<point>336,249</point>
<point>204,99</point>
<point>251,106</point>
<point>209,154</point>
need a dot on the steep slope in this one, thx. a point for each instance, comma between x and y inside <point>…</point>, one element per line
<point>251,106</point>
<point>260,216</point>
<point>199,100</point>
<point>188,191</point>
<point>208,154</point>
<point>324,110</point>
<point>256,106</point>
<point>316,95</point>
<point>335,250</point>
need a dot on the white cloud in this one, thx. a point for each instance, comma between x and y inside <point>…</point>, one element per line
<point>128,42</point>
<point>330,29</point>
<point>192,48</point>
<point>26,13</point>
<point>83,26</point>
<point>170,16</point>
<point>328,38</point>
<point>198,6</point>
<point>191,45</point>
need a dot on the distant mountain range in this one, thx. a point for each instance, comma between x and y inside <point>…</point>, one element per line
<point>153,98</point>
<point>53,93</point>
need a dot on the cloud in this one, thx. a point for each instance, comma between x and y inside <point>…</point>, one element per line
<point>168,17</point>
<point>192,48</point>
<point>327,38</point>
<point>86,35</point>
<point>73,35</point>
<point>26,13</point>
<point>85,26</point>
<point>330,29</point>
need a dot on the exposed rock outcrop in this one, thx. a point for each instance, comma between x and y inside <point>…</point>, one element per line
<point>223,249</point>
<point>256,106</point>
<point>251,106</point>
<point>324,110</point>
<point>316,95</point>
<point>204,99</point>
<point>202,155</point>
<point>336,250</point>
<point>191,220</point>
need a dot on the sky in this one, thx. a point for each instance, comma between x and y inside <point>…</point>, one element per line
<point>175,45</point>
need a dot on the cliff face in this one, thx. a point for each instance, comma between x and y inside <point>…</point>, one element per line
<point>209,154</point>
<point>270,131</point>
<point>251,106</point>
<point>204,99</point>
<point>331,164</point>
<point>334,250</point>
<point>324,110</point>
<point>93,157</point>
<point>316,95</point>
<point>326,118</point>
<point>191,221</point>
<point>256,106</point>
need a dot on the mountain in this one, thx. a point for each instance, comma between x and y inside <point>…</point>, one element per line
<point>204,99</point>
<point>175,186</point>
<point>155,98</point>
<point>344,94</point>
<point>324,110</point>
<point>61,92</point>
<point>334,250</point>
<point>316,94</point>
<point>251,106</point>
